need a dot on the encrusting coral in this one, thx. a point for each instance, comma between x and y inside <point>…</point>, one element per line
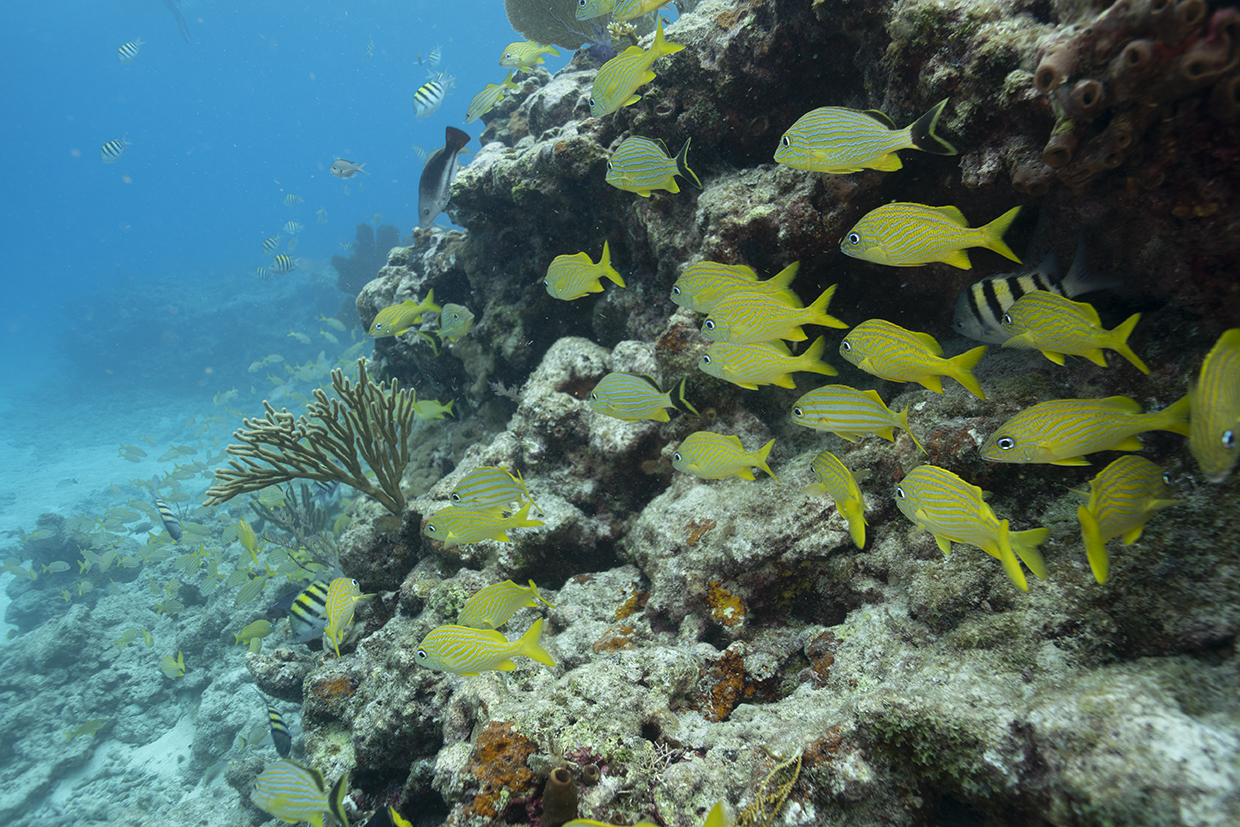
<point>329,442</point>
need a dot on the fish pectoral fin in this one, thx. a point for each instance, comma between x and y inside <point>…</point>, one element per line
<point>958,258</point>
<point>634,99</point>
<point>1132,535</point>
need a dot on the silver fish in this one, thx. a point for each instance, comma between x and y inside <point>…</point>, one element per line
<point>342,168</point>
<point>434,188</point>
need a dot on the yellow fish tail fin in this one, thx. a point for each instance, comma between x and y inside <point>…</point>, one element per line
<point>1095,546</point>
<point>1173,418</point>
<point>682,166</point>
<point>529,645</point>
<point>428,304</point>
<point>811,360</point>
<point>818,310</point>
<point>1010,566</point>
<point>922,136</point>
<point>680,394</point>
<point>538,597</point>
<point>608,271</point>
<point>521,519</point>
<point>962,370</point>
<point>992,234</point>
<point>1025,545</point>
<point>661,46</point>
<point>854,513</point>
<point>902,421</point>
<point>1119,342</point>
<point>760,459</point>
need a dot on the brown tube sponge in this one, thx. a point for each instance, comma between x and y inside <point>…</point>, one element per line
<point>1059,149</point>
<point>1214,55</point>
<point>1055,67</point>
<point>1032,177</point>
<point>590,775</point>
<point>1131,68</point>
<point>1159,17</point>
<point>1086,98</point>
<point>559,798</point>
<point>1225,98</point>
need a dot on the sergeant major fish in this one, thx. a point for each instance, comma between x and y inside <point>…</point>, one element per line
<point>571,277</point>
<point>279,730</point>
<point>271,243</point>
<point>429,96</point>
<point>129,51</point>
<point>114,149</point>
<point>632,397</point>
<point>1215,400</point>
<point>903,234</point>
<point>616,83</point>
<point>837,140</point>
<point>1123,496</point>
<point>172,524</point>
<point>642,166</point>
<point>307,615</point>
<point>712,456</point>
<point>435,185</point>
<point>462,650</point>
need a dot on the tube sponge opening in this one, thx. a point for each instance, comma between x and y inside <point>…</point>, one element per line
<point>1055,67</point>
<point>1086,98</point>
<point>1225,98</point>
<point>559,798</point>
<point>1059,149</point>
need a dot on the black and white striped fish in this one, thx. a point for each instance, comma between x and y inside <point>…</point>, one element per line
<point>435,57</point>
<point>307,616</point>
<point>172,523</point>
<point>126,53</point>
<point>282,264</point>
<point>431,94</point>
<point>113,149</point>
<point>271,243</point>
<point>279,731</point>
<point>263,273</point>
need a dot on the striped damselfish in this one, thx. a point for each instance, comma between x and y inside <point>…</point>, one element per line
<point>954,511</point>
<point>836,481</point>
<point>294,793</point>
<point>837,140</point>
<point>903,234</point>
<point>271,243</point>
<point>430,95</point>
<point>307,616</point>
<point>395,319</point>
<point>457,525</point>
<point>770,363</point>
<point>279,731</point>
<point>749,316</point>
<point>342,596</point>
<point>849,413</point>
<point>571,277</point>
<point>888,351</point>
<point>492,606</point>
<point>524,56</point>
<point>1213,438</point>
<point>632,397</point>
<point>714,456</point>
<point>127,52</point>
<point>706,282</point>
<point>1058,326</point>
<point>1122,498</point>
<point>462,650</point>
<point>642,166</point>
<point>1062,431</point>
<point>282,264</point>
<point>172,524</point>
<point>109,152</point>
<point>617,81</point>
<point>485,100</point>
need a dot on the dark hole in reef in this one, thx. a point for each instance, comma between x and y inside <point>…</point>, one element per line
<point>380,789</point>
<point>651,731</point>
<point>954,813</point>
<point>1042,11</point>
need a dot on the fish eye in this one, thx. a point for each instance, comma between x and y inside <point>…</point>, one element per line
<point>1006,443</point>
<point>1007,318</point>
<point>786,141</point>
<point>675,291</point>
<point>581,4</point>
<point>796,411</point>
<point>710,324</point>
<point>353,582</point>
<point>430,529</point>
<point>676,457</point>
<point>593,396</point>
<point>456,498</point>
<point>1167,477</point>
<point>421,654</point>
<point>846,346</point>
<point>705,358</point>
<point>1229,439</point>
<point>591,102</point>
<point>854,238</point>
<point>899,492</point>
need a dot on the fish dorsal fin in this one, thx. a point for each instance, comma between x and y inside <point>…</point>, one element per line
<point>873,395</point>
<point>1087,310</point>
<point>952,214</point>
<point>494,635</point>
<point>1121,403</point>
<point>649,380</point>
<point>779,346</point>
<point>733,440</point>
<point>881,117</point>
<point>930,343</point>
<point>745,272</point>
<point>659,143</point>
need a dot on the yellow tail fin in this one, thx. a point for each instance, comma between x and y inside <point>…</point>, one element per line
<point>992,234</point>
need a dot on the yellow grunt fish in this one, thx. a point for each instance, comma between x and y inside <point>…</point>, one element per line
<point>524,56</point>
<point>617,81</point>
<point>836,481</point>
<point>643,166</point>
<point>849,413</point>
<point>492,606</point>
<point>431,409</point>
<point>762,364</point>
<point>626,10</point>
<point>462,650</point>
<point>395,319</point>
<point>490,486</point>
<point>1216,409</point>
<point>714,456</point>
<point>342,596</point>
<point>485,100</point>
<point>902,234</point>
<point>632,397</point>
<point>838,140</point>
<point>571,277</point>
<point>458,525</point>
<point>257,629</point>
<point>888,351</point>
<point>749,316</point>
<point>952,510</point>
<point>293,793</point>
<point>1058,326</point>
<point>703,284</point>
<point>1123,496</point>
<point>587,9</point>
<point>1062,431</point>
<point>455,320</point>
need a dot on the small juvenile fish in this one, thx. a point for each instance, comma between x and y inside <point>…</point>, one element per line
<point>292,200</point>
<point>632,397</point>
<point>771,363</point>
<point>1062,431</point>
<point>435,185</point>
<point>837,140</point>
<point>616,83</point>
<point>173,667</point>
<point>456,525</point>
<point>524,56</point>
<point>271,243</point>
<point>1215,399</point>
<point>849,413</point>
<point>712,456</point>
<point>435,57</point>
<point>492,606</point>
<point>257,629</point>
<point>1058,326</point>
<point>1122,498</point>
<point>749,317</point>
<point>836,481</point>
<point>127,52</point>
<point>89,728</point>
<point>395,319</point>
<point>342,596</point>
<point>703,284</point>
<point>342,168</point>
<point>903,234</point>
<point>485,100</point>
<point>431,409</point>
<point>293,793</point>
<point>109,152</point>
<point>952,510</point>
<point>642,166</point>
<point>430,95</point>
<point>571,277</point>
<point>588,9</point>
<point>307,615</point>
<point>626,10</point>
<point>455,320</point>
<point>490,486</point>
<point>888,351</point>
<point>279,730</point>
<point>292,227</point>
<point>465,651</point>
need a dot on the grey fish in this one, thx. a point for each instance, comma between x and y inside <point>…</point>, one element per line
<point>342,168</point>
<point>434,189</point>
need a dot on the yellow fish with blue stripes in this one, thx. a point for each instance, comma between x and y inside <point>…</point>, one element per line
<point>840,484</point>
<point>458,525</point>
<point>293,793</point>
<point>838,140</point>
<point>632,396</point>
<point>642,166</point>
<point>770,363</point>
<point>571,277</point>
<point>524,56</point>
<point>1215,399</point>
<point>492,606</point>
<point>849,414</point>
<point>617,81</point>
<point>395,319</point>
<point>485,100</point>
<point>489,486</point>
<point>462,650</point>
<point>749,316</point>
<point>954,511</point>
<point>342,596</point>
<point>1122,498</point>
<point>703,284</point>
<point>455,320</point>
<point>714,456</point>
<point>588,9</point>
<point>626,10</point>
<point>1062,431</point>
<point>1058,326</point>
<point>888,351</point>
<point>903,234</point>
